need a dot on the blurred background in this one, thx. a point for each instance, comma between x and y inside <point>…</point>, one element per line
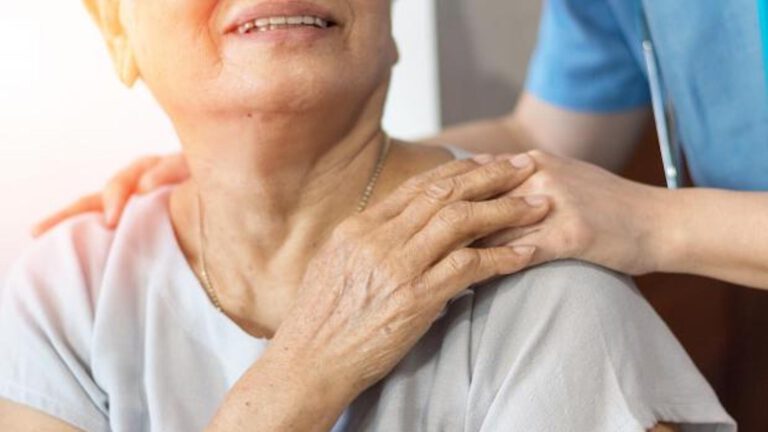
<point>66,125</point>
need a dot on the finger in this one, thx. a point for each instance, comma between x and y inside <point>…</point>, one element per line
<point>170,170</point>
<point>465,267</point>
<point>488,181</point>
<point>90,203</point>
<point>404,194</point>
<point>120,188</point>
<point>547,246</point>
<point>507,236</point>
<point>461,223</point>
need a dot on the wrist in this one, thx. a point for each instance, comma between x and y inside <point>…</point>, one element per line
<point>327,389</point>
<point>667,230</point>
<point>280,393</point>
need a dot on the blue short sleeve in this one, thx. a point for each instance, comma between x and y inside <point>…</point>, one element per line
<point>585,59</point>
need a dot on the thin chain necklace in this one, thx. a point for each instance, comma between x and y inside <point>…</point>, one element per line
<point>362,205</point>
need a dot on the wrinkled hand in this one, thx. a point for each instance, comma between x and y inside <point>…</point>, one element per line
<point>142,176</point>
<point>384,276</point>
<point>596,216</point>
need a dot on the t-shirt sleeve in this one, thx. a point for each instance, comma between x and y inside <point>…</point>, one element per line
<point>583,60</point>
<point>46,324</point>
<point>587,353</point>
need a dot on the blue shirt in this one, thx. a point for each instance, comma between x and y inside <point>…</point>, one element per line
<point>589,58</point>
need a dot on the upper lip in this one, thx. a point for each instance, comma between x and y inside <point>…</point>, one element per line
<point>239,15</point>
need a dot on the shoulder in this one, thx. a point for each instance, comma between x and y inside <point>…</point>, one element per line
<point>574,334</point>
<point>550,310</point>
<point>68,264</point>
<point>50,308</point>
<point>578,288</point>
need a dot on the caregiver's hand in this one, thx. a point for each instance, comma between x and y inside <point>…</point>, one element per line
<point>597,217</point>
<point>144,175</point>
<point>375,288</point>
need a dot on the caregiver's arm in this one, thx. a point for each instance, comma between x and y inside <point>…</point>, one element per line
<point>606,139</point>
<point>715,233</point>
<point>635,228</point>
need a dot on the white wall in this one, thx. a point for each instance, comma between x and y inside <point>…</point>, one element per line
<point>66,123</point>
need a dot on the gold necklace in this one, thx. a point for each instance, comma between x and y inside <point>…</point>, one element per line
<point>362,205</point>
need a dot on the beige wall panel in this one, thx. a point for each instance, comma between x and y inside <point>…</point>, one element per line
<point>484,47</point>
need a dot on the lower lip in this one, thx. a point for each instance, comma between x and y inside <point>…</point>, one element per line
<point>287,34</point>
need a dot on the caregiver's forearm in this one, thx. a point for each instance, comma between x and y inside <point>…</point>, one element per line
<point>605,139</point>
<point>714,233</point>
<point>494,136</point>
<point>277,395</point>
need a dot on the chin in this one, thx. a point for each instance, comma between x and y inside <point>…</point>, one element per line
<point>276,84</point>
<point>303,90</point>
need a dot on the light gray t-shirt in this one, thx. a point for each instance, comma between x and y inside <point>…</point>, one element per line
<point>111,330</point>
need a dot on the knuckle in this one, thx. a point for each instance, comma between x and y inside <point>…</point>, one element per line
<point>457,214</point>
<point>405,297</point>
<point>442,190</point>
<point>495,262</point>
<point>413,185</point>
<point>464,260</point>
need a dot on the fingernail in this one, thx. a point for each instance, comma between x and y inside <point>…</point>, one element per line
<point>525,251</point>
<point>536,200</point>
<point>483,159</point>
<point>521,161</point>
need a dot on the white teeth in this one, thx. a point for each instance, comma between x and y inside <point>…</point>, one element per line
<point>245,28</point>
<point>274,23</point>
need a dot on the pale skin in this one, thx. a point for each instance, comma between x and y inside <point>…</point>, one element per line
<point>280,137</point>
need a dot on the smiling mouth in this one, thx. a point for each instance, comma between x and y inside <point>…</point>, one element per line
<point>283,22</point>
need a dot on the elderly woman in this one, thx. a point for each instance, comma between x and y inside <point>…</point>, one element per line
<point>310,274</point>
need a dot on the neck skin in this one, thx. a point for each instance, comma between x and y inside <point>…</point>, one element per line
<point>272,188</point>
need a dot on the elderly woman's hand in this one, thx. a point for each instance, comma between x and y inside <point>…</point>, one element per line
<point>596,216</point>
<point>386,274</point>
<point>376,286</point>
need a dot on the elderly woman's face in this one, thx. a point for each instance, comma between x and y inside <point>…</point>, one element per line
<point>222,56</point>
